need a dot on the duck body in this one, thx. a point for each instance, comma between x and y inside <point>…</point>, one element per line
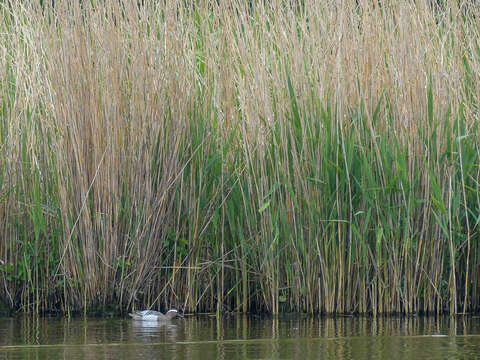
<point>152,315</point>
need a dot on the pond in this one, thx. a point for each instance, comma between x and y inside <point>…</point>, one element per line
<point>242,337</point>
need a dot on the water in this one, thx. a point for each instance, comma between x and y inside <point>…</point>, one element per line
<point>240,337</point>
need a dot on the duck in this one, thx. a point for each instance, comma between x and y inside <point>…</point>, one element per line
<point>152,315</point>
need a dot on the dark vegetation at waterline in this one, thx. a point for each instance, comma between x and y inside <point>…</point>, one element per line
<point>241,157</point>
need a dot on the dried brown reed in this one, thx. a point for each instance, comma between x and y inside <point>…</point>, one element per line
<point>317,156</point>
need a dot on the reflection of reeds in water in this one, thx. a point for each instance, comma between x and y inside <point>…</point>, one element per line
<point>270,157</point>
<point>242,337</point>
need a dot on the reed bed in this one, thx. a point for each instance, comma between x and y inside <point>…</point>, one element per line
<point>260,156</point>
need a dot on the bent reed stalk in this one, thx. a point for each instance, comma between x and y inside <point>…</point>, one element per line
<point>317,156</point>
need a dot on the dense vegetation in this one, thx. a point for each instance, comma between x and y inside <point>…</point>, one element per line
<point>318,156</point>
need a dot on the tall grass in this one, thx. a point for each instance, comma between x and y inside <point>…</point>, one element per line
<point>318,156</point>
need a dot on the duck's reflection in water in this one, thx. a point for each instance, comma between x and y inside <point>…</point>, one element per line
<point>154,331</point>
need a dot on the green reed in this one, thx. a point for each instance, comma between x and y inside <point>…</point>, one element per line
<point>233,157</point>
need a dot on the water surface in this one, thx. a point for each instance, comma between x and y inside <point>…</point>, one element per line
<point>242,337</point>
